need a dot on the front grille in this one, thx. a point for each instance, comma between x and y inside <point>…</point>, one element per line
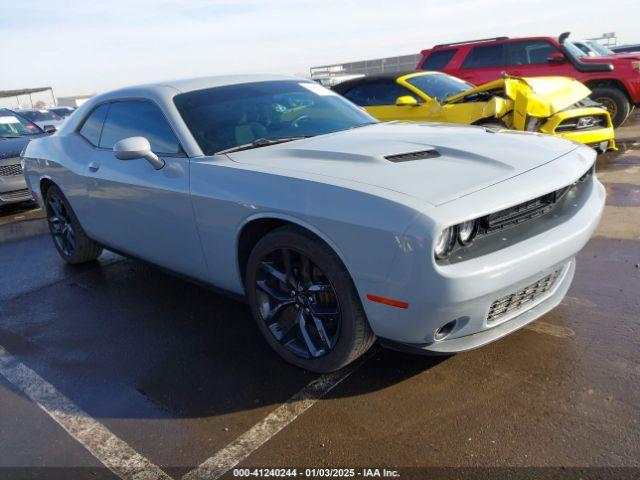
<point>23,194</point>
<point>579,124</point>
<point>10,170</point>
<point>525,211</point>
<point>410,156</point>
<point>519,299</point>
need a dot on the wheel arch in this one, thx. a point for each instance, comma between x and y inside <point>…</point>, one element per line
<point>45,183</point>
<point>610,83</point>
<point>257,226</point>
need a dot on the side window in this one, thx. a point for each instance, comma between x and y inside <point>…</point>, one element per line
<point>372,94</point>
<point>138,119</point>
<point>438,59</point>
<point>92,126</point>
<point>534,52</point>
<point>485,56</point>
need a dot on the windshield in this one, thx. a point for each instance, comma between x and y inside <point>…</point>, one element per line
<point>599,48</point>
<point>226,117</point>
<point>13,126</point>
<point>39,115</point>
<point>439,85</point>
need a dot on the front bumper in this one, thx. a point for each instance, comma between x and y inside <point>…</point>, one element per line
<point>13,187</point>
<point>602,139</point>
<point>465,291</point>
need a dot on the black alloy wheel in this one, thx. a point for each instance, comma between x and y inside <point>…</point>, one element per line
<point>304,301</point>
<point>60,225</point>
<point>298,303</point>
<point>69,238</point>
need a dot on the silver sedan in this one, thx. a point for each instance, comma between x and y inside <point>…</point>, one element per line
<point>338,229</point>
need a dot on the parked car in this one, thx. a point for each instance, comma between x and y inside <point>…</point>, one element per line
<point>337,228</point>
<point>553,105</point>
<point>15,133</point>
<point>635,48</point>
<point>614,81</point>
<point>45,119</point>
<point>593,48</point>
<point>62,112</point>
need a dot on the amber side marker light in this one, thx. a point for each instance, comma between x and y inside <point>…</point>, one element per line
<point>387,301</point>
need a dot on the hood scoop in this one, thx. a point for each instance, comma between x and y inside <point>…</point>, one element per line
<point>410,156</point>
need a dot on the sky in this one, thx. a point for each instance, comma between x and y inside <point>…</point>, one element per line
<point>90,46</point>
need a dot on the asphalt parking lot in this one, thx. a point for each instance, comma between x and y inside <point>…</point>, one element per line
<point>118,364</point>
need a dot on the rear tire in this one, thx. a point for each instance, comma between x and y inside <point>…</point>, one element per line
<point>72,243</point>
<point>614,101</point>
<point>293,281</point>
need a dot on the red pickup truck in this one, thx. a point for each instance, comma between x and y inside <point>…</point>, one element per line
<point>614,81</point>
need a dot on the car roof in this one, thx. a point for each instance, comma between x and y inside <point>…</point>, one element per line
<point>201,83</point>
<point>481,41</point>
<point>348,84</point>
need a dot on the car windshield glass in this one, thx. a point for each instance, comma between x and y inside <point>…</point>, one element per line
<point>599,48</point>
<point>439,85</point>
<point>222,118</point>
<point>13,126</point>
<point>40,115</point>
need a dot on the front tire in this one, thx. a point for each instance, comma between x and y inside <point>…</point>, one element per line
<point>614,101</point>
<point>72,243</point>
<point>304,301</point>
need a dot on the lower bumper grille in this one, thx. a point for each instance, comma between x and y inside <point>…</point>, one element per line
<point>10,170</point>
<point>519,299</point>
<point>16,195</point>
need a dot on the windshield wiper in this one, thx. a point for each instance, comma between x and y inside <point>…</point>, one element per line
<point>261,142</point>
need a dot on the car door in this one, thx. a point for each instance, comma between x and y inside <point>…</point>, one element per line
<point>141,211</point>
<point>528,58</point>
<point>483,63</point>
<point>379,99</point>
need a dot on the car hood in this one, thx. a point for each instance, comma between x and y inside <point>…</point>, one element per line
<point>12,147</point>
<point>545,95</point>
<point>464,159</point>
<point>615,57</point>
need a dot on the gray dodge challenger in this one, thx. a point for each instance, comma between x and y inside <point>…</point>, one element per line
<point>336,228</point>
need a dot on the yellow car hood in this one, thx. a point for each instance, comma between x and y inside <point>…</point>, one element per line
<point>545,95</point>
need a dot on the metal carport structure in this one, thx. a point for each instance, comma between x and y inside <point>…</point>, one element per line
<point>26,91</point>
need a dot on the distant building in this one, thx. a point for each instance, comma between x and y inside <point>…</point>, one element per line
<point>74,101</point>
<point>329,75</point>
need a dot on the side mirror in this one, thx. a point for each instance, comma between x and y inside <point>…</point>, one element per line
<point>49,129</point>
<point>135,148</point>
<point>406,101</point>
<point>556,57</point>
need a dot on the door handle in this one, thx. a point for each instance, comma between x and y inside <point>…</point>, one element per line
<point>94,166</point>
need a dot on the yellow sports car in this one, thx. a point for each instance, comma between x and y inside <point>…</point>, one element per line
<point>554,105</point>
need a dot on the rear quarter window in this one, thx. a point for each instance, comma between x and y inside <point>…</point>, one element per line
<point>438,59</point>
<point>92,126</point>
<point>484,56</point>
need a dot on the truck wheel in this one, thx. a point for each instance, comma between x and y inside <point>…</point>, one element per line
<point>614,101</point>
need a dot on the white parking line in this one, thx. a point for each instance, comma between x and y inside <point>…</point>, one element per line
<point>261,432</point>
<point>115,454</point>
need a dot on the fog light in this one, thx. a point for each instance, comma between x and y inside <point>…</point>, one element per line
<point>444,331</point>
